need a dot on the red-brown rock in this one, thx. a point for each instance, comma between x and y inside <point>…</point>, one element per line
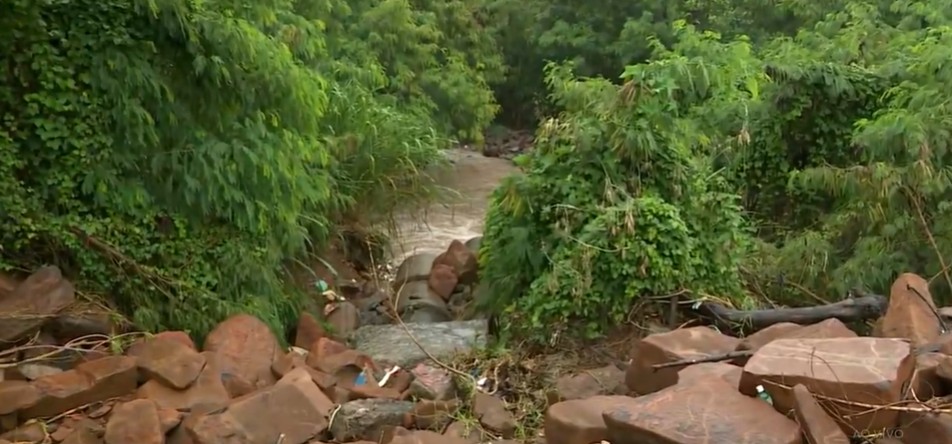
<point>17,395</point>
<point>817,426</point>
<point>923,428</point>
<point>136,422</point>
<point>493,415</point>
<point>461,260</point>
<point>299,377</point>
<point>34,301</point>
<point>207,391</point>
<point>763,337</point>
<point>89,382</point>
<point>403,436</point>
<point>443,280</point>
<point>862,370</point>
<point>247,348</point>
<point>696,414</point>
<point>911,313</point>
<point>608,380</point>
<point>294,407</point>
<point>344,320</point>
<point>169,419</point>
<point>580,420</point>
<point>336,359</point>
<point>828,329</point>
<point>660,348</point>
<point>177,336</point>
<point>293,360</point>
<point>432,414</point>
<point>169,361</point>
<point>309,330</point>
<point>707,371</point>
<point>926,383</point>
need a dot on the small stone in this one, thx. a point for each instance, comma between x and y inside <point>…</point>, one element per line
<point>344,320</point>
<point>32,432</point>
<point>335,359</point>
<point>580,420</point>
<point>292,360</point>
<point>169,419</point>
<point>247,348</point>
<point>433,414</point>
<point>135,421</point>
<point>404,436</point>
<point>432,382</point>
<point>493,415</point>
<point>414,268</point>
<point>17,395</point>
<point>309,330</point>
<point>608,380</point>
<point>170,362</point>
<point>443,280</point>
<point>470,434</point>
<point>208,389</point>
<point>36,371</point>
<point>461,260</point>
<point>368,418</point>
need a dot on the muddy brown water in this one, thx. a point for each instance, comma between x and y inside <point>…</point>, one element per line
<point>470,179</point>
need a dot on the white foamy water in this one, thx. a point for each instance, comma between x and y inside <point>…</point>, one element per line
<point>473,177</point>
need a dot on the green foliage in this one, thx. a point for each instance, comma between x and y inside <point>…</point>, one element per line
<point>173,155</point>
<point>804,121</point>
<point>838,152</point>
<point>620,194</point>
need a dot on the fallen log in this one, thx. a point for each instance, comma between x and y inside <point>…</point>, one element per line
<point>861,308</point>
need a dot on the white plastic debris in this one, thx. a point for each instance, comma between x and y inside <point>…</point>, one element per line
<point>386,376</point>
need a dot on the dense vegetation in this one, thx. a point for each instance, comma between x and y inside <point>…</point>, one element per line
<point>175,156</point>
<point>782,158</point>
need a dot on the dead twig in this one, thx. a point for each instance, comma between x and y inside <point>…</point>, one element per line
<point>423,349</point>
<point>712,358</point>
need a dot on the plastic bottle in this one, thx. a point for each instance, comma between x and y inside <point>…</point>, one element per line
<point>763,395</point>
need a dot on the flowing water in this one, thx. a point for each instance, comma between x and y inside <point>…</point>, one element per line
<point>470,178</point>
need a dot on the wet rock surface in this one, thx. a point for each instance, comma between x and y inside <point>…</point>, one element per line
<point>391,343</point>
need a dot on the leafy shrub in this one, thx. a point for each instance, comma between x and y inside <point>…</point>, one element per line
<point>174,155</point>
<point>620,194</point>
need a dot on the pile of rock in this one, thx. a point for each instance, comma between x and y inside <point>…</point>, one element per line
<point>436,287</point>
<point>823,384</point>
<point>508,144</point>
<point>240,387</point>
